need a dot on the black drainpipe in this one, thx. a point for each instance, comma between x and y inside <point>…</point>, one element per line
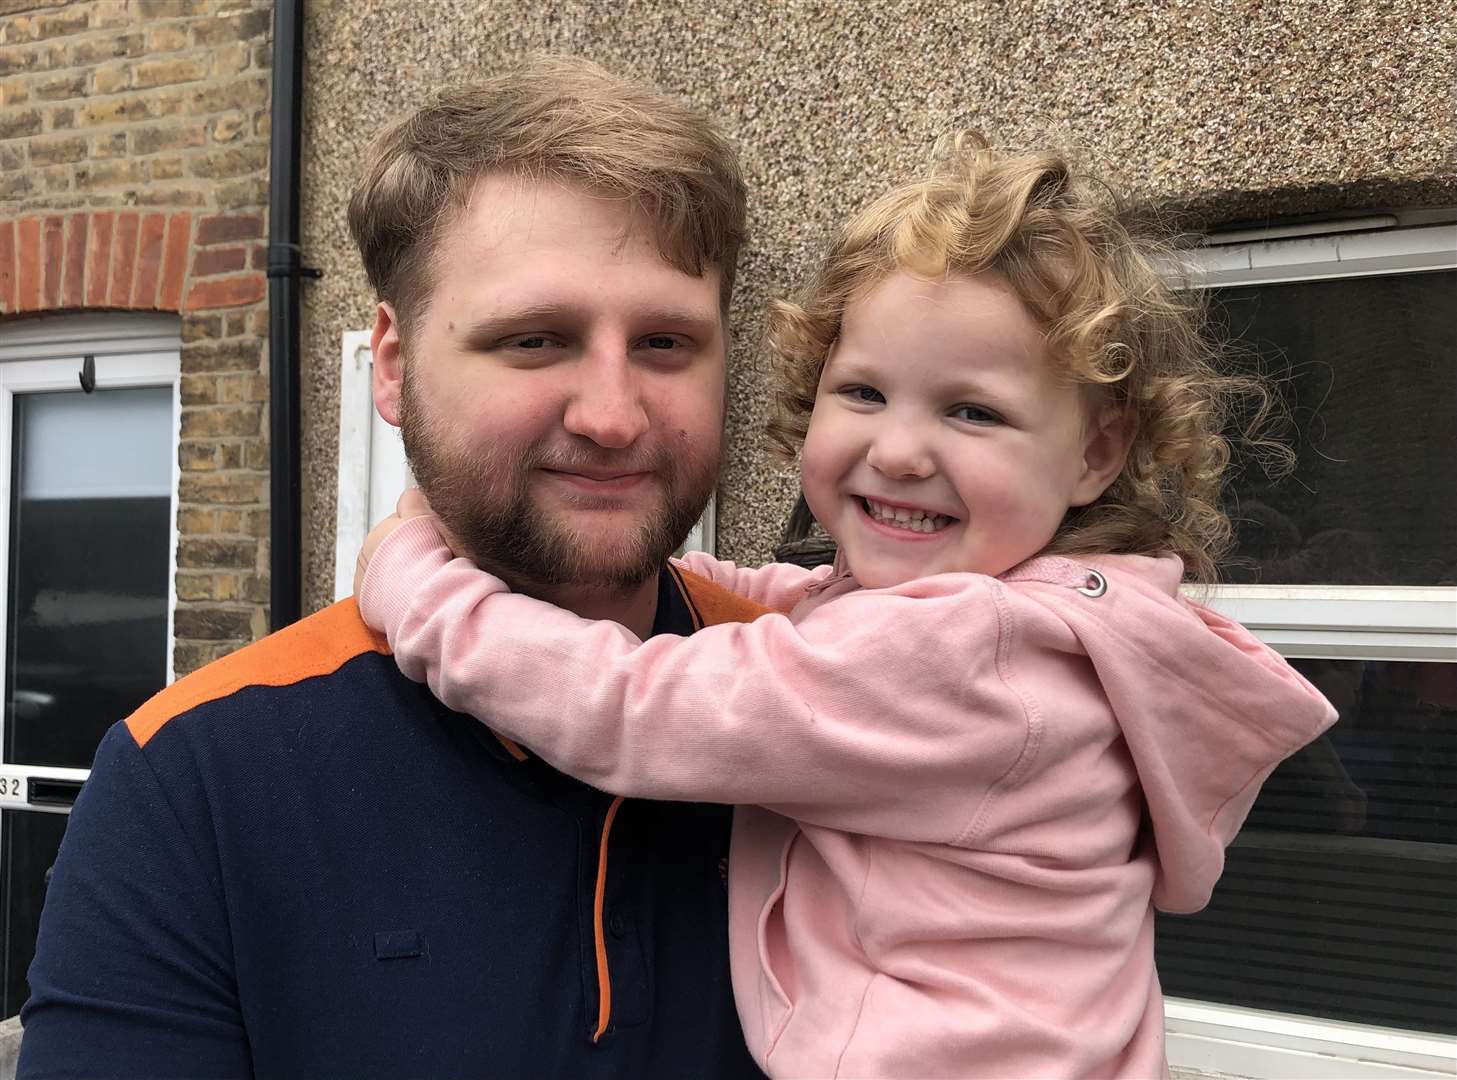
<point>285,269</point>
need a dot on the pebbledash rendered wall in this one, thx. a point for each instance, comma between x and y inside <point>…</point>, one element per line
<point>134,177</point>
<point>1225,111</point>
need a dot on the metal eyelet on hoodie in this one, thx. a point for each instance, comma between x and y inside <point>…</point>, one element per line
<point>1097,585</point>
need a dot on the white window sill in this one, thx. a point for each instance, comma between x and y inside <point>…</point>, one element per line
<point>1208,1040</point>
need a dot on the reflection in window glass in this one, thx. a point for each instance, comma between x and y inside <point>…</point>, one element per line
<point>1339,897</point>
<point>1372,369</point>
<point>89,547</point>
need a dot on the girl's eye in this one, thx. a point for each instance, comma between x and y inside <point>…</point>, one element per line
<point>864,395</point>
<point>975,414</point>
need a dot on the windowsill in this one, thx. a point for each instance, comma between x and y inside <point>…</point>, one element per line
<point>1206,1039</point>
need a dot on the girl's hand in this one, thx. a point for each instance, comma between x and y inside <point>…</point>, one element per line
<point>411,504</point>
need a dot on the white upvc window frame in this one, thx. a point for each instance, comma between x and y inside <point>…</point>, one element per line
<point>1208,1039</point>
<point>1320,621</point>
<point>373,471</point>
<point>45,354</point>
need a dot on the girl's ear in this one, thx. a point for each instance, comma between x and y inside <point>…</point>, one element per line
<point>1106,443</point>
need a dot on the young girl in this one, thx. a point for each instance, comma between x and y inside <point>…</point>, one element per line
<point>978,751</point>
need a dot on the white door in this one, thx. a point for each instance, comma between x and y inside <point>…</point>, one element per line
<point>88,481</point>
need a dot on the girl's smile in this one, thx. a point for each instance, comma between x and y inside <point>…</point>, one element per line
<point>903,519</point>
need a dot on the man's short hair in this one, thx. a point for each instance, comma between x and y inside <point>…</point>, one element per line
<point>551,118</point>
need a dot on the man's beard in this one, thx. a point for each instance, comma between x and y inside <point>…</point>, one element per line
<point>484,500</point>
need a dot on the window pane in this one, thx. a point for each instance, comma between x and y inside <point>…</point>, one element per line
<point>30,842</point>
<point>1339,897</point>
<point>90,531</point>
<point>1373,382</point>
<point>108,445</point>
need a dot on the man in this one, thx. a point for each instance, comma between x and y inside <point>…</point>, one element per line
<point>297,863</point>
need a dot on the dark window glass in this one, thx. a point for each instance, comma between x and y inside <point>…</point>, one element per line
<point>30,842</point>
<point>1372,370</point>
<point>1339,897</point>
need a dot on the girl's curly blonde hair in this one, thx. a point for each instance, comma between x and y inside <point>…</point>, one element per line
<point>1064,244</point>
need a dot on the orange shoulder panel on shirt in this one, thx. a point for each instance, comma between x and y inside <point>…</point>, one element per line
<point>317,645</point>
<point>714,604</point>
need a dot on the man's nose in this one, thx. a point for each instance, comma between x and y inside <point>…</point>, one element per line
<point>900,451</point>
<point>606,405</point>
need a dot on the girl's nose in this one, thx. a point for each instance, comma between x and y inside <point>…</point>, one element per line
<point>900,453</point>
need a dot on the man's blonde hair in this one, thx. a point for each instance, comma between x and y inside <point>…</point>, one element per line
<point>551,118</point>
<point>1062,241</point>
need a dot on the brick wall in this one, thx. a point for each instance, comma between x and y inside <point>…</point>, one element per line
<point>134,176</point>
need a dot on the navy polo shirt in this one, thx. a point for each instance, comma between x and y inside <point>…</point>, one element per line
<point>298,863</point>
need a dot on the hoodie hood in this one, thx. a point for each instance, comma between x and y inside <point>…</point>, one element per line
<point>1206,709</point>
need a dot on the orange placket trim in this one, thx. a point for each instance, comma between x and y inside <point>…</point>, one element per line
<point>511,748</point>
<point>604,977</point>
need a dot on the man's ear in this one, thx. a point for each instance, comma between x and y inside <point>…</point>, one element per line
<point>1106,443</point>
<point>389,372</point>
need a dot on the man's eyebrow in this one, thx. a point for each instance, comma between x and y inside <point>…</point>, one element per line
<point>685,317</point>
<point>515,320</point>
<point>490,327</point>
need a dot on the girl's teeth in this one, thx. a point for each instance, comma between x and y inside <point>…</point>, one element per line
<point>910,520</point>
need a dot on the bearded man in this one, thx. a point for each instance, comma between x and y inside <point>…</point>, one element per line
<point>295,862</point>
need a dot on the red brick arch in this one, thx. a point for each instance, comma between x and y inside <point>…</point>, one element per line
<point>131,260</point>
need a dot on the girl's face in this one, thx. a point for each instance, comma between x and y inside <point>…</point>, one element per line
<point>942,439</point>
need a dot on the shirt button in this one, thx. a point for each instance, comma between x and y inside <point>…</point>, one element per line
<point>617,924</point>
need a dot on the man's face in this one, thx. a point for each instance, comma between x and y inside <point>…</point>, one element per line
<point>561,398</point>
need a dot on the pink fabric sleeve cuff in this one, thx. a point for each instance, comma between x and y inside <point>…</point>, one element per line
<point>397,572</point>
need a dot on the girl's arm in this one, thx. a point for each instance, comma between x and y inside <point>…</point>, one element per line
<point>855,717</point>
<point>776,585</point>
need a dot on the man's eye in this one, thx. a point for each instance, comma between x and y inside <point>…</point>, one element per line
<point>975,414</point>
<point>661,341</point>
<point>866,395</point>
<point>535,341</point>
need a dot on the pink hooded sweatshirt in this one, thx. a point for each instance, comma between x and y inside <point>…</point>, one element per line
<point>968,793</point>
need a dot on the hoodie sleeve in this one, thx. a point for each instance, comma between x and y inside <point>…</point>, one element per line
<point>844,719</point>
<point>776,585</point>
